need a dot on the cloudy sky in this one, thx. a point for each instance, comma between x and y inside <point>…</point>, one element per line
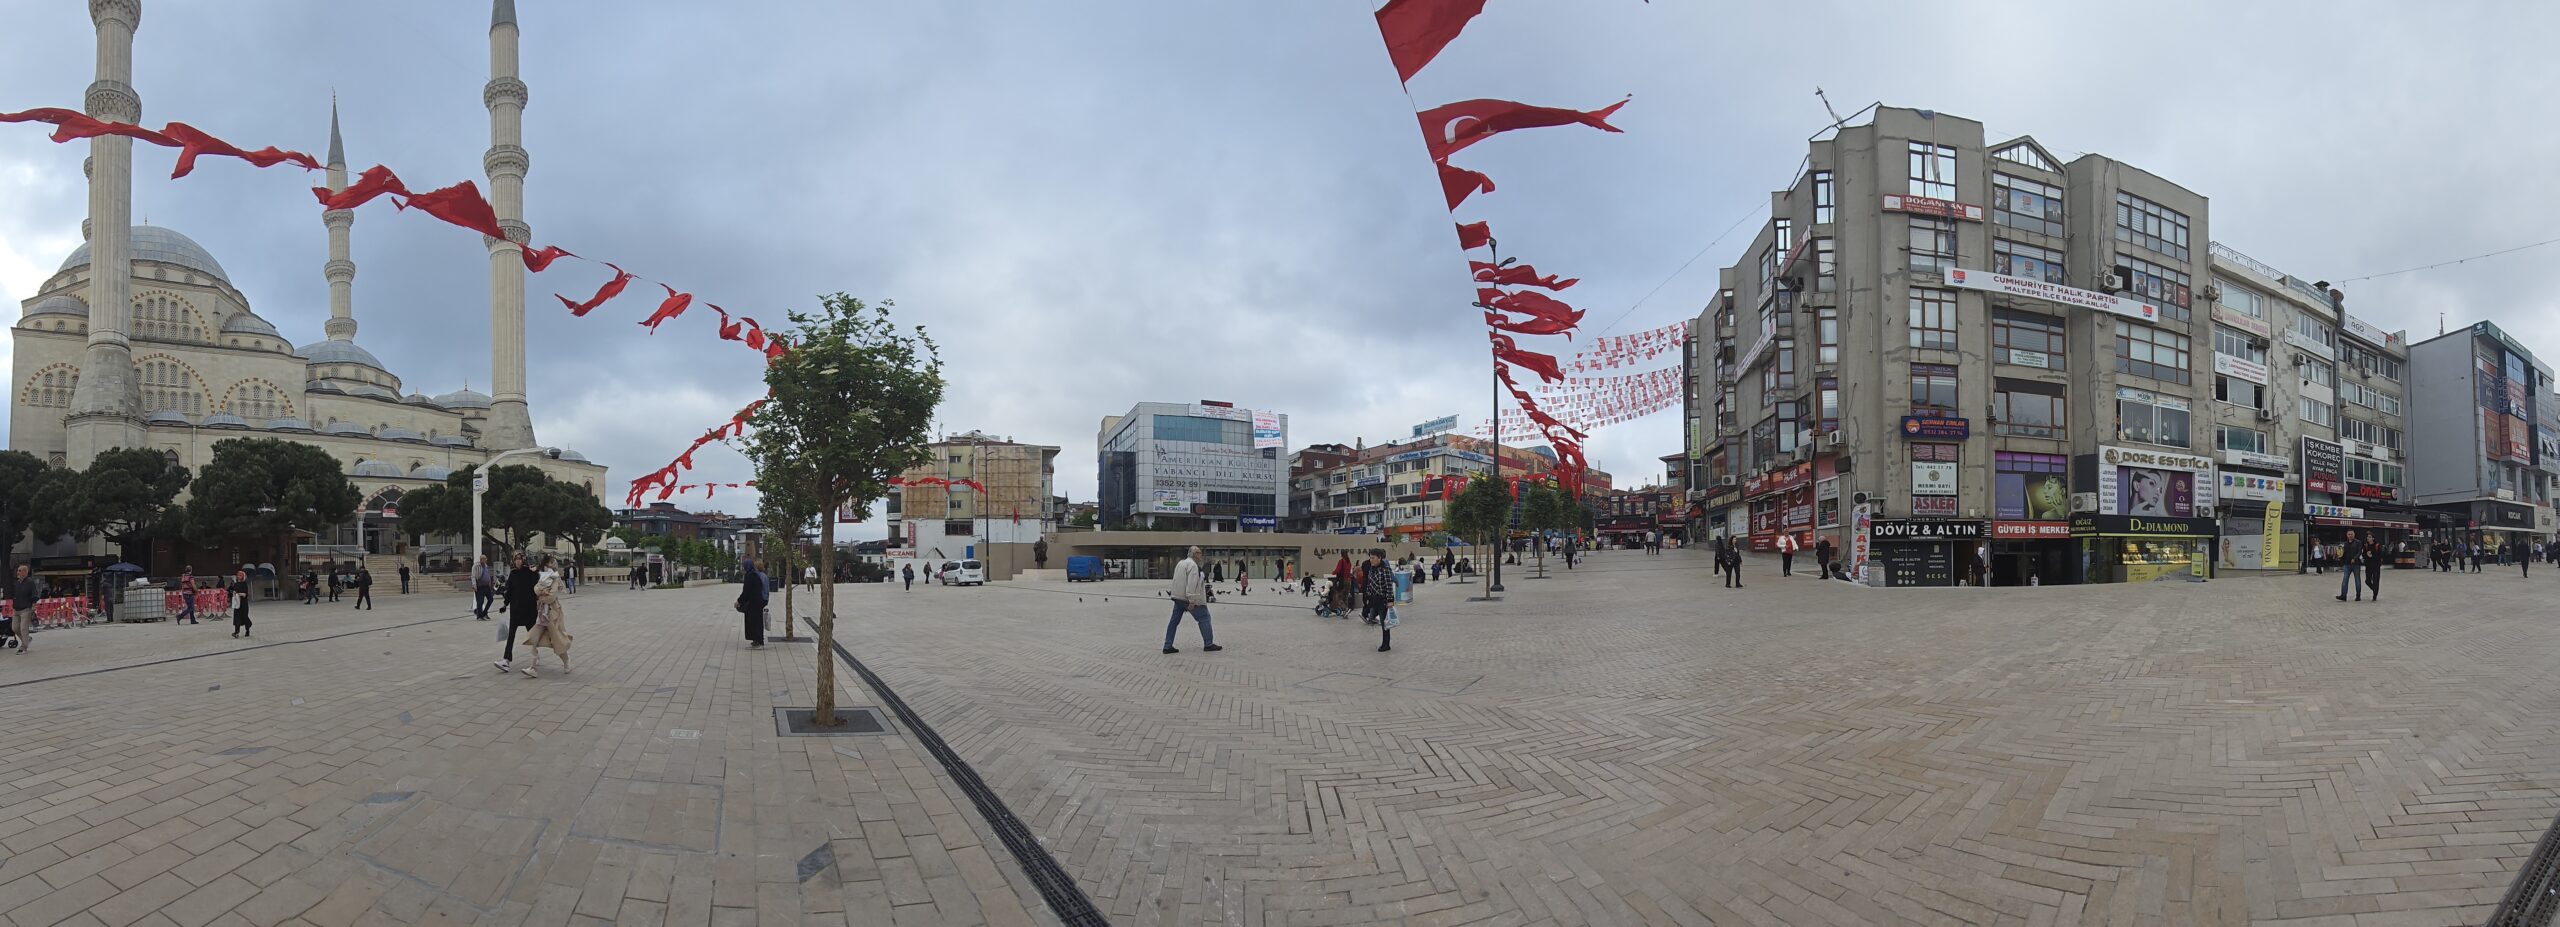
<point>1104,202</point>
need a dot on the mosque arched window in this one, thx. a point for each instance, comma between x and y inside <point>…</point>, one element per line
<point>51,387</point>
<point>165,317</point>
<point>168,383</point>
<point>257,400</point>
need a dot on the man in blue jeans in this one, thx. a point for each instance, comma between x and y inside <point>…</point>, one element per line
<point>1190,593</point>
<point>2352,568</point>
<point>484,587</point>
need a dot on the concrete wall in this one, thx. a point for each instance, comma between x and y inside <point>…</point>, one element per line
<point>2444,439</point>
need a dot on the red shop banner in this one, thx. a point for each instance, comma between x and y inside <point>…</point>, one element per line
<point>1779,480</point>
<point>2030,530</point>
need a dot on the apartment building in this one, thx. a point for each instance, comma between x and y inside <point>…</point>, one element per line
<point>1317,473</point>
<point>1943,349</point>
<point>2484,439</point>
<point>1199,466</point>
<point>940,511</point>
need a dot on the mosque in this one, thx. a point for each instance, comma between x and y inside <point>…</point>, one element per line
<point>168,354</point>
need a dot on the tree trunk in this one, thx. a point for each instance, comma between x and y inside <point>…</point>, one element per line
<point>789,613</point>
<point>825,716</point>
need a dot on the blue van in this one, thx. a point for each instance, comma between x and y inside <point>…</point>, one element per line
<point>1084,569</point>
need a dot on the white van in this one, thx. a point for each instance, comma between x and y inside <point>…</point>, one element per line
<point>964,573</point>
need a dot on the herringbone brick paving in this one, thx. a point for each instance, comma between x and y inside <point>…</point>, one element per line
<point>1630,744</point>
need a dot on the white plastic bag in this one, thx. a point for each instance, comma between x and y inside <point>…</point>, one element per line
<point>1392,620</point>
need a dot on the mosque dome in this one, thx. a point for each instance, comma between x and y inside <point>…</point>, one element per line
<point>223,420</point>
<point>432,473</point>
<point>153,243</point>
<point>465,399</point>
<point>376,468</point>
<point>166,417</point>
<point>337,352</point>
<point>288,424</point>
<point>397,433</point>
<point>420,399</point>
<point>573,456</point>
<point>449,441</point>
<point>60,304</point>
<point>245,324</point>
<point>349,429</point>
<point>368,389</point>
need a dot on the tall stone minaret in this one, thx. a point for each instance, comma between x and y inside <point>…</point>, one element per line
<point>106,406</point>
<point>510,423</point>
<point>341,270</point>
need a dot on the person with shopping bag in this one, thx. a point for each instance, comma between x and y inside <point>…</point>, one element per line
<point>550,620</point>
<point>239,603</point>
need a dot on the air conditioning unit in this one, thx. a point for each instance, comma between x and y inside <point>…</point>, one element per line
<point>2266,415</point>
<point>2115,281</point>
<point>2211,291</point>
<point>2257,343</point>
<point>1833,439</point>
<point>2084,502</point>
<point>1726,480</point>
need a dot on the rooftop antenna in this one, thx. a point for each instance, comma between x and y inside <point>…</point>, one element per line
<point>1836,121</point>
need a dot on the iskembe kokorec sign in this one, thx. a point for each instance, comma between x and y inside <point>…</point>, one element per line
<point>1928,530</point>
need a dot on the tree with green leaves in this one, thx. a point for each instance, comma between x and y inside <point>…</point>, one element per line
<point>265,487</point>
<point>1480,512</point>
<point>852,403</point>
<point>1543,509</point>
<point>127,495</point>
<point>777,512</point>
<point>522,503</point>
<point>23,487</point>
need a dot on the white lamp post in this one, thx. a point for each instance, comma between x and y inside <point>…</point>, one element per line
<point>480,485</point>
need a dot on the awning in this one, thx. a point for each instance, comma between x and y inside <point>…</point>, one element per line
<point>2363,523</point>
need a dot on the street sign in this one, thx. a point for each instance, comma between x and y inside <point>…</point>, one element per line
<point>479,483</point>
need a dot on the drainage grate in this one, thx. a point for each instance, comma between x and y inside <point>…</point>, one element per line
<point>1065,899</point>
<point>2535,896</point>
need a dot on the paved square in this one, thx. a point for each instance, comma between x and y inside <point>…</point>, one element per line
<point>1623,744</point>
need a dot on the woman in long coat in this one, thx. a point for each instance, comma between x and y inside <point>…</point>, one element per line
<point>551,619</point>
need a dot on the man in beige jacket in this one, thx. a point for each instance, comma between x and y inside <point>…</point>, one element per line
<point>1190,592</point>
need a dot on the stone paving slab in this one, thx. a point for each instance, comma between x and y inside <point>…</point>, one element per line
<point>373,768</point>
<point>1631,744</point>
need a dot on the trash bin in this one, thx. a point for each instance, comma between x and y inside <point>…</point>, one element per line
<point>1404,586</point>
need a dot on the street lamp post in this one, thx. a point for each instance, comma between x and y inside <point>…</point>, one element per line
<point>480,485</point>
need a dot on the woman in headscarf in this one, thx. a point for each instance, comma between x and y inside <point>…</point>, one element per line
<point>551,620</point>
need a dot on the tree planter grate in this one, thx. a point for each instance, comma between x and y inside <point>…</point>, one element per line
<point>796,722</point>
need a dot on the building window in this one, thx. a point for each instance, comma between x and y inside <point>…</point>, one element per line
<point>2239,344</point>
<point>1933,244</point>
<point>1933,319</point>
<point>163,317</point>
<point>2316,372</point>
<point>1825,198</point>
<point>958,528</point>
<point>2319,413</point>
<point>1786,365</point>
<point>2026,205</point>
<point>2148,419</point>
<point>2027,408</point>
<point>2162,285</point>
<point>1826,266</point>
<point>2242,300</point>
<point>1826,330</point>
<point>2144,351</point>
<point>51,387</point>
<point>1933,388</point>
<point>1786,235</point>
<point>2356,429</point>
<point>2236,438</point>
<point>2029,261</point>
<point>1788,417</point>
<point>169,385</point>
<point>1196,429</point>
<point>2239,392</point>
<point>1933,171</point>
<point>2027,339</point>
<point>1827,400</point>
<point>2146,224</point>
<point>2315,331</point>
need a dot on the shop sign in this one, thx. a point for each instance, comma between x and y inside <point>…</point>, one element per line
<point>2025,358</point>
<point>2260,461</point>
<point>1929,530</point>
<point>2186,487</point>
<point>1221,413</point>
<point>1259,521</point>
<point>1931,206</point>
<point>2297,339</point>
<point>2141,526</point>
<point>2506,515</point>
<point>1933,478</point>
<point>1935,426</point>
<point>1172,501</point>
<point>2486,330</point>
<point>2371,335</point>
<point>2271,537</point>
<point>2227,316</point>
<point>1266,430</point>
<point>1364,509</point>
<point>2371,491</point>
<point>1779,480</point>
<point>1436,426</point>
<point>2332,511</point>
<point>1723,497</point>
<point>2051,292</point>
<point>2323,466</point>
<point>2249,370</point>
<point>1826,490</point>
<point>2030,530</point>
<point>2252,487</point>
<point>1941,506</point>
<point>1363,481</point>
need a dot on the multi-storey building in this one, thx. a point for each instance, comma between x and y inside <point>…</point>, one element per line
<point>935,514</point>
<point>1317,473</point>
<point>1943,350</point>
<point>2483,445</point>
<point>1201,466</point>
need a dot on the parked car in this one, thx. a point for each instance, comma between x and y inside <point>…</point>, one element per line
<point>964,573</point>
<point>1084,569</point>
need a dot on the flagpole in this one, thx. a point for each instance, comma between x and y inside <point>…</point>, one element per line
<point>1503,525</point>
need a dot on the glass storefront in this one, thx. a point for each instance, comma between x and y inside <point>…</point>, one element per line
<point>2142,549</point>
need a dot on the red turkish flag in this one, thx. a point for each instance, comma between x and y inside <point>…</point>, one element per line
<point>1528,327</point>
<point>538,260</point>
<point>1473,235</point>
<point>460,204</point>
<point>755,332</point>
<point>1416,30</point>
<point>775,348</point>
<point>728,329</point>
<point>610,289</point>
<point>375,181</point>
<point>1535,305</point>
<point>1518,275</point>
<point>73,125</point>
<point>193,141</point>
<point>674,305</point>
<point>1458,183</point>
<point>1452,127</point>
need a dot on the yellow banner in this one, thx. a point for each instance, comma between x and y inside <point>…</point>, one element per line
<point>2271,549</point>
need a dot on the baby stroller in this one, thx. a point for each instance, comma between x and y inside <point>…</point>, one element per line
<point>1332,600</point>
